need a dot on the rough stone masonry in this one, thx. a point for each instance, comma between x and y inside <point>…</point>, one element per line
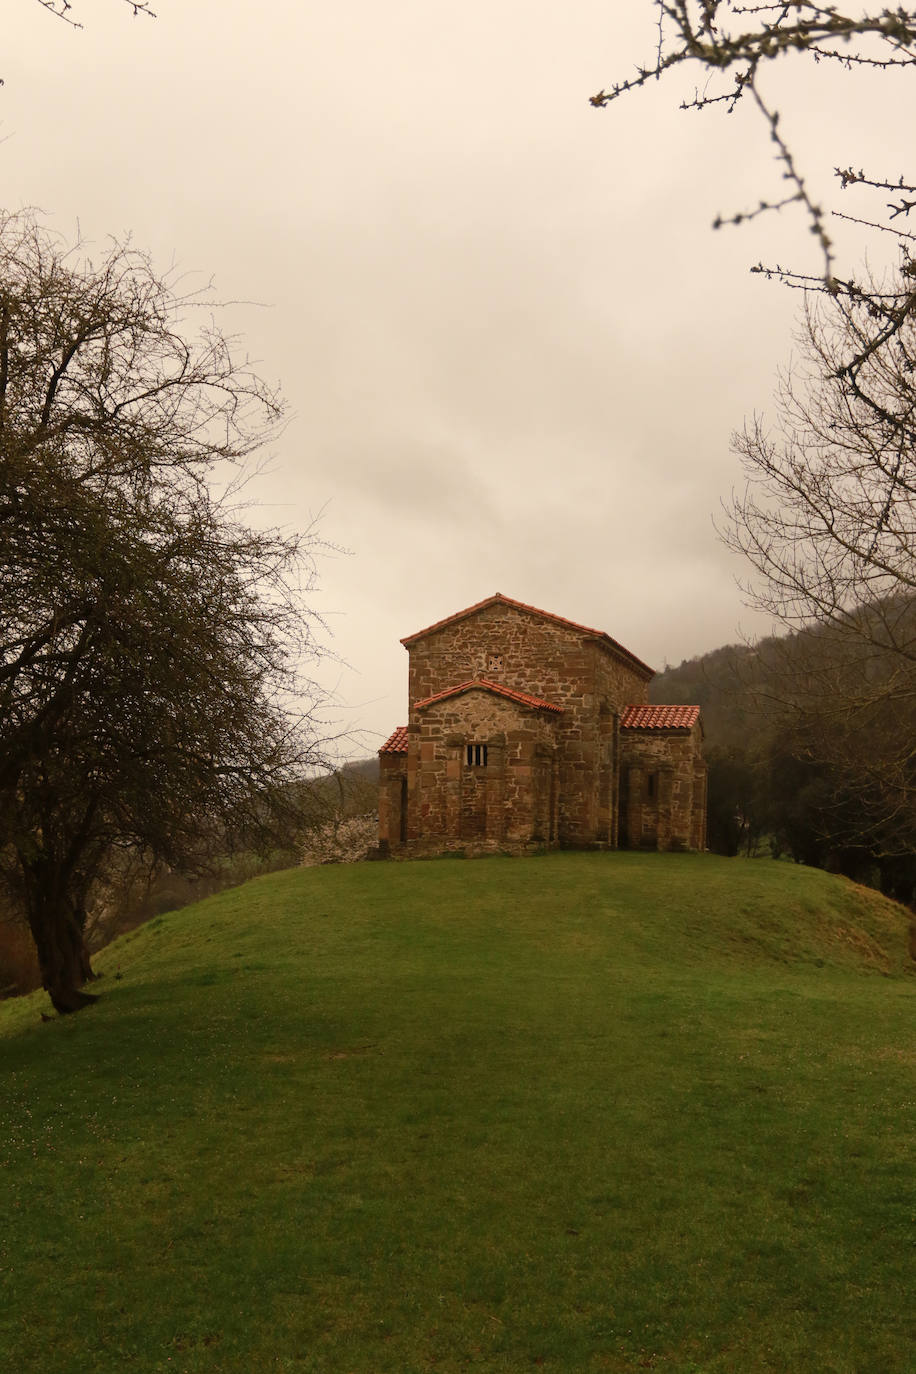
<point>528,731</point>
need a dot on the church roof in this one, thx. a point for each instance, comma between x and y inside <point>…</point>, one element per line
<point>498,599</point>
<point>659,717</point>
<point>396,743</point>
<point>523,698</point>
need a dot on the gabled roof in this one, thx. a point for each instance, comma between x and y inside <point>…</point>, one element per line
<point>523,698</point>
<point>397,743</point>
<point>497,598</point>
<point>659,717</point>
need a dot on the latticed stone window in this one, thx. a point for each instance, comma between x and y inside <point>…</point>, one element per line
<point>496,663</point>
<point>477,755</point>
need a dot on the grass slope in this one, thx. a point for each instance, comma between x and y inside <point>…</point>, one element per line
<point>585,1112</point>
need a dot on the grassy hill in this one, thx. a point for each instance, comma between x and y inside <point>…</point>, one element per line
<point>584,1112</point>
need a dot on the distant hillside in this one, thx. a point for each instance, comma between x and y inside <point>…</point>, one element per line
<point>724,683</point>
<point>809,745</point>
<point>362,768</point>
<point>751,792</point>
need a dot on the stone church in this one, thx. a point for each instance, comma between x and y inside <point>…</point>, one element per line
<point>529,731</point>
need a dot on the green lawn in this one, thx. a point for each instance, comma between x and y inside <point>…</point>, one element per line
<point>583,1112</point>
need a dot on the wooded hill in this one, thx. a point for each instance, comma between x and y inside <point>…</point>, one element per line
<point>809,743</point>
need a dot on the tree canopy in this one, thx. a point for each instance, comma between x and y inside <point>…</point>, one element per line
<point>151,641</point>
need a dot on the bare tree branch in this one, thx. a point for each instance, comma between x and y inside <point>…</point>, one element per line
<point>64,9</point>
<point>827,525</point>
<point>152,643</point>
<point>735,46</point>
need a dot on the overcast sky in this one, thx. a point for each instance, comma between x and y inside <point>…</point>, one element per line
<point>513,348</point>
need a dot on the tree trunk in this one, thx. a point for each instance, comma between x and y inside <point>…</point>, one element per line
<point>62,954</point>
<point>80,918</point>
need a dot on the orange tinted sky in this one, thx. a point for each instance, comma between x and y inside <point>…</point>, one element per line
<point>513,347</point>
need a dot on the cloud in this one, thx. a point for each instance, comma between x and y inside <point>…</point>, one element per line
<point>514,348</point>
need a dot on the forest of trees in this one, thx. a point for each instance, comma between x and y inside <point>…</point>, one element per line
<point>793,772</point>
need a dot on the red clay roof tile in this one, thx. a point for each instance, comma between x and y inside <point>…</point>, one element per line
<point>523,698</point>
<point>397,744</point>
<point>659,717</point>
<point>497,597</point>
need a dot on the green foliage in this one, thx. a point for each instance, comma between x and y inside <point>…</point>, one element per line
<point>586,1111</point>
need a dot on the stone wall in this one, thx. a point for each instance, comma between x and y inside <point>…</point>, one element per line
<point>508,803</point>
<point>528,652</point>
<point>561,664</point>
<point>392,801</point>
<point>662,789</point>
<point>566,776</point>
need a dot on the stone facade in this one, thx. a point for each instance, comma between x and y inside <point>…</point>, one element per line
<point>530,731</point>
<point>663,786</point>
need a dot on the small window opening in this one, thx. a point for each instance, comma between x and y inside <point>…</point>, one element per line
<point>495,663</point>
<point>651,781</point>
<point>477,756</point>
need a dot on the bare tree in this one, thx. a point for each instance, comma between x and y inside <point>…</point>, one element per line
<point>731,47</point>
<point>827,523</point>
<point>151,643</point>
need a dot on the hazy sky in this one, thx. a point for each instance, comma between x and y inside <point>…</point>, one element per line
<point>513,347</point>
